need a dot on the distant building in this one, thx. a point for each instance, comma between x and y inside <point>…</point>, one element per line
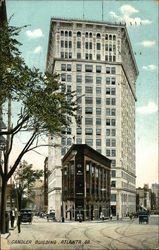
<point>85,183</point>
<point>143,197</point>
<point>155,194</point>
<point>38,195</point>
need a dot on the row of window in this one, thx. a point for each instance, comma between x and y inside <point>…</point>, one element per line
<point>109,122</point>
<point>109,132</point>
<point>66,55</point>
<point>89,131</point>
<point>88,79</point>
<point>88,34</point>
<point>68,44</point>
<point>89,68</point>
<point>89,100</point>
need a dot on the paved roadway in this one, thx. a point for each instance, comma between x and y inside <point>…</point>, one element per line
<point>114,234</point>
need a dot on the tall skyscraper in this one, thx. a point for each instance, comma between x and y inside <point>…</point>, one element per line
<point>96,60</point>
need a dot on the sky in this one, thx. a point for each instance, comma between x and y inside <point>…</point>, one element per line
<point>142,19</point>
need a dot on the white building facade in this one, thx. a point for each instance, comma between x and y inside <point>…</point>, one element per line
<point>96,60</point>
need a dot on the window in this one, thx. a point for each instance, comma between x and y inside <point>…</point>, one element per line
<point>86,34</point>
<point>113,91</point>
<point>86,56</point>
<point>107,101</point>
<point>78,78</point>
<point>108,142</point>
<point>88,131</point>
<point>88,89</point>
<point>62,32</point>
<point>110,58</point>
<point>113,112</point>
<point>98,111</point>
<point>68,88</point>
<point>98,80</point>
<point>106,37</point>
<point>113,70</point>
<point>110,47</point>
<point>90,45</point>
<point>108,80</point>
<point>113,173</point>
<point>62,44</point>
<point>113,132</point>
<point>113,143</point>
<point>70,33</point>
<point>106,47</point>
<point>62,54</point>
<point>66,54</point>
<point>98,131</point>
<point>86,45</point>
<point>70,54</point>
<point>98,46</point>
<point>63,77</point>
<point>98,100</point>
<point>107,70</point>
<point>114,38</point>
<point>63,141</point>
<point>113,163</point>
<point>107,112</point>
<point>114,47</point>
<point>98,69</point>
<point>69,141</point>
<point>79,131</point>
<point>78,67</point>
<point>89,142</point>
<point>113,152</point>
<point>106,58</point>
<point>68,78</point>
<point>69,131</point>
<point>107,91</point>
<point>107,132</point>
<point>63,151</point>
<point>107,122</point>
<point>88,110</point>
<point>110,37</point>
<point>113,122</point>
<point>88,100</point>
<point>78,55</point>
<point>113,197</point>
<point>98,90</point>
<point>98,121</point>
<point>98,57</point>
<point>66,33</point>
<point>66,44</point>
<point>89,79</point>
<point>78,34</point>
<point>98,142</point>
<point>108,152</point>
<point>79,141</point>
<point>90,56</point>
<point>98,35</point>
<point>63,67</point>
<point>113,183</point>
<point>113,101</point>
<point>88,121</point>
<point>114,58</point>
<point>90,34</point>
<point>113,81</point>
<point>78,44</point>
<point>88,68</point>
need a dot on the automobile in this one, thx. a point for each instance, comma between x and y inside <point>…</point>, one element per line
<point>51,216</point>
<point>26,215</point>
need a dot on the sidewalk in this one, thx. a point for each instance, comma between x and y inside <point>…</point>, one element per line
<point>3,242</point>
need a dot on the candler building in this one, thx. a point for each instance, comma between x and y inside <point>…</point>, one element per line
<point>85,183</point>
<point>96,60</point>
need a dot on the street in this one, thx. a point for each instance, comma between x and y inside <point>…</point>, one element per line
<point>125,234</point>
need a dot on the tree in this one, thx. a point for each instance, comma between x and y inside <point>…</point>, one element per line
<point>43,107</point>
<point>26,176</point>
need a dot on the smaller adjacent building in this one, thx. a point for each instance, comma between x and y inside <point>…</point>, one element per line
<point>143,197</point>
<point>85,183</point>
<point>155,196</point>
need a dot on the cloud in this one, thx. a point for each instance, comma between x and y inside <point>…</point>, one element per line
<point>34,34</point>
<point>150,67</point>
<point>147,43</point>
<point>126,16</point>
<point>149,109</point>
<point>37,50</point>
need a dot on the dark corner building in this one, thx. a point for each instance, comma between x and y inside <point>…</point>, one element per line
<point>85,183</point>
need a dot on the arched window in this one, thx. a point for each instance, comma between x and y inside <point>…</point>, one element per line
<point>110,37</point>
<point>90,34</point>
<point>66,33</point>
<point>86,34</point>
<point>106,37</point>
<point>98,35</point>
<point>114,38</point>
<point>70,33</point>
<point>78,34</point>
<point>62,32</point>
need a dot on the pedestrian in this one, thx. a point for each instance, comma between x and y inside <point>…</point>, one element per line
<point>111,216</point>
<point>19,221</point>
<point>12,217</point>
